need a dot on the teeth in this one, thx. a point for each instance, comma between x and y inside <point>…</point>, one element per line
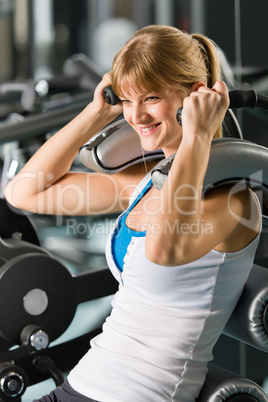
<point>145,130</point>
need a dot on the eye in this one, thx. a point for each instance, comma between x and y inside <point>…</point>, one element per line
<point>125,101</point>
<point>152,99</point>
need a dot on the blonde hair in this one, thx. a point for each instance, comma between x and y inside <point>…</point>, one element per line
<point>158,56</point>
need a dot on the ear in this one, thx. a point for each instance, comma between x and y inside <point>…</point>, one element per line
<point>197,85</point>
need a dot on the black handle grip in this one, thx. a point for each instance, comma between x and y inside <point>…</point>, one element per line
<point>240,99</point>
<point>110,97</point>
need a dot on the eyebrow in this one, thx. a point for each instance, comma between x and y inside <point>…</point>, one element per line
<point>144,95</point>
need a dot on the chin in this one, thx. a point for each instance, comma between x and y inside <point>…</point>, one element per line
<point>149,148</point>
<point>149,145</point>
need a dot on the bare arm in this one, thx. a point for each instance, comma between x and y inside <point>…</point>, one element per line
<point>45,185</point>
<point>190,226</point>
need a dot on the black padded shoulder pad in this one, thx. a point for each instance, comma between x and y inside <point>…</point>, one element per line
<point>115,148</point>
<point>231,160</point>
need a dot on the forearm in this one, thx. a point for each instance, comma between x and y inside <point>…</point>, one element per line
<point>181,205</point>
<point>57,154</point>
<point>54,159</point>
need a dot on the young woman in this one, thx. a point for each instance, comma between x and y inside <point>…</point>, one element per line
<point>181,259</point>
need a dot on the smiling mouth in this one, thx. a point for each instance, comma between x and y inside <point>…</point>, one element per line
<point>149,129</point>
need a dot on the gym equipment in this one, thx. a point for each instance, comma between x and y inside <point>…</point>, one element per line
<point>34,287</point>
<point>228,162</point>
<point>38,298</point>
<point>223,385</point>
<point>102,153</point>
<point>79,73</point>
<point>99,154</point>
<point>109,96</point>
<point>35,105</point>
<point>16,224</point>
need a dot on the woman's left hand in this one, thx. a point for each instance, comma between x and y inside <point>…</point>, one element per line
<point>204,110</point>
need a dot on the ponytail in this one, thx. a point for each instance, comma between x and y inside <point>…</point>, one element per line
<point>208,50</point>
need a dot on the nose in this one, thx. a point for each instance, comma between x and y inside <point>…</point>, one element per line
<point>139,114</point>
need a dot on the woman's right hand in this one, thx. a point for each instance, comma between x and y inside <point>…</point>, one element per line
<point>98,99</point>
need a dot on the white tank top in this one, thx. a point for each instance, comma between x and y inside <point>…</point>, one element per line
<point>164,323</point>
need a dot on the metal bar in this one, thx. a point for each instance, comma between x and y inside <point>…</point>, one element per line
<point>40,123</point>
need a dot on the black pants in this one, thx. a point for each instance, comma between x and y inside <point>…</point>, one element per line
<point>64,393</point>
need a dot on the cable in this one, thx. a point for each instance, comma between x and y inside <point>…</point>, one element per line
<point>47,367</point>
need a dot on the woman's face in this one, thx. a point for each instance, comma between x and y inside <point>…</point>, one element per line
<point>153,117</point>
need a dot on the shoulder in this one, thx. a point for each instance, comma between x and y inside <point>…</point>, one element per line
<point>242,213</point>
